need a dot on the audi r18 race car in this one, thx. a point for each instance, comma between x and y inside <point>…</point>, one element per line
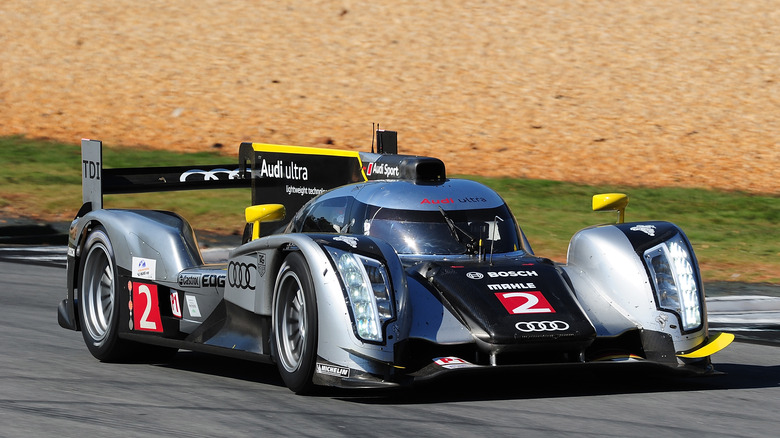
<point>386,272</point>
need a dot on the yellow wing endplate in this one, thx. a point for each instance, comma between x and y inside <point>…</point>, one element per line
<point>716,343</point>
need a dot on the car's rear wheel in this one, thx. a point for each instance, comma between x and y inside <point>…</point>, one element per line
<point>99,300</point>
<point>295,324</point>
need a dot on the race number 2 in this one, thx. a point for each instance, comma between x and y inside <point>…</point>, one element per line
<point>519,303</point>
<point>146,315</point>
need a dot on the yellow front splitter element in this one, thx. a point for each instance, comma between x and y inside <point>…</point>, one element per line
<point>716,343</point>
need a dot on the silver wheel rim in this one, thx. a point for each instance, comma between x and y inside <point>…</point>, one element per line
<point>98,292</point>
<point>291,327</point>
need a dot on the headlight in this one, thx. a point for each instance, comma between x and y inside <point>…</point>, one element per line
<point>671,268</point>
<point>368,292</point>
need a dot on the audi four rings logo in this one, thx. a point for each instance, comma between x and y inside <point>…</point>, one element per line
<point>209,175</point>
<point>241,275</point>
<point>541,326</point>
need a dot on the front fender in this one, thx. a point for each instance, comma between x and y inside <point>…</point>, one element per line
<point>612,282</point>
<point>337,343</point>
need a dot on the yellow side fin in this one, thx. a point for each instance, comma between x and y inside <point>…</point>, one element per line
<point>714,345</point>
<point>611,202</point>
<point>257,214</point>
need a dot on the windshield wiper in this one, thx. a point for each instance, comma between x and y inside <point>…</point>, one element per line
<point>472,245</point>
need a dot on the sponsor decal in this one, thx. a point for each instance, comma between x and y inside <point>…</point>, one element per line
<point>282,170</point>
<point>241,275</point>
<point>209,175</point>
<point>511,286</point>
<point>541,326</point>
<point>261,264</point>
<point>520,303</point>
<point>647,229</point>
<point>71,252</point>
<point>383,169</point>
<point>91,169</point>
<point>349,240</point>
<point>304,191</point>
<point>175,305</point>
<point>147,310</point>
<point>437,201</point>
<point>144,268</point>
<point>130,304</point>
<point>470,199</point>
<point>192,306</point>
<point>498,274</point>
<point>212,280</point>
<point>452,362</point>
<point>475,275</point>
<point>189,280</point>
<point>332,370</point>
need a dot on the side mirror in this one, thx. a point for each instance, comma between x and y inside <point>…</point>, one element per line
<point>611,202</point>
<point>257,214</point>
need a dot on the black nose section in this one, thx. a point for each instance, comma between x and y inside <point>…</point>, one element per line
<point>513,306</point>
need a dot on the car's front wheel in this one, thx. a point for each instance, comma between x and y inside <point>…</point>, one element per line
<point>295,324</point>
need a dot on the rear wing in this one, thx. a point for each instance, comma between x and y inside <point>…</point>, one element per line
<point>97,181</point>
<point>287,175</point>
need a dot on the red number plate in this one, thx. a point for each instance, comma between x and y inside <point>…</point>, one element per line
<point>519,303</point>
<point>146,309</point>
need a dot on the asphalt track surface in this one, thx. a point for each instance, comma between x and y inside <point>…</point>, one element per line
<point>51,386</point>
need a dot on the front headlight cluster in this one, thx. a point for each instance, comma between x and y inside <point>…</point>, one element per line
<point>368,292</point>
<point>671,267</point>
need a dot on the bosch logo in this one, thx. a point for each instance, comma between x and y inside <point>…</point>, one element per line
<point>513,274</point>
<point>541,326</point>
<point>241,275</point>
<point>475,275</point>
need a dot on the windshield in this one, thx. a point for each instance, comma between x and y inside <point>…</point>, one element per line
<point>428,232</point>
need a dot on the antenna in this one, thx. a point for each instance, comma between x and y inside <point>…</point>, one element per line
<point>373,134</point>
<point>493,237</point>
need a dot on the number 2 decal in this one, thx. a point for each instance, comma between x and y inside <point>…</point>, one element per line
<point>518,303</point>
<point>147,311</point>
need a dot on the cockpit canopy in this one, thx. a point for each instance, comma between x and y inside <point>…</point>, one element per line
<point>454,217</point>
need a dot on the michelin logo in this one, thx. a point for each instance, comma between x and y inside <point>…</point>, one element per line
<point>332,370</point>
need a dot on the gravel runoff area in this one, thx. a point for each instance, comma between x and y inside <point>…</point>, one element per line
<point>648,92</point>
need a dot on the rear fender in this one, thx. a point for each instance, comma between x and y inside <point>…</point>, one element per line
<point>164,237</point>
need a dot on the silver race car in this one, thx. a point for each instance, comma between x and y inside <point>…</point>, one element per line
<point>387,273</point>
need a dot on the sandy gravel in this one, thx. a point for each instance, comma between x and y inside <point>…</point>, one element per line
<point>646,92</point>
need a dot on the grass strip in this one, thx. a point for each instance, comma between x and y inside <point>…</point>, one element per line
<point>735,235</point>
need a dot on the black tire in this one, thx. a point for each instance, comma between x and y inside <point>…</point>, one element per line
<point>99,299</point>
<point>295,324</point>
<point>99,302</point>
